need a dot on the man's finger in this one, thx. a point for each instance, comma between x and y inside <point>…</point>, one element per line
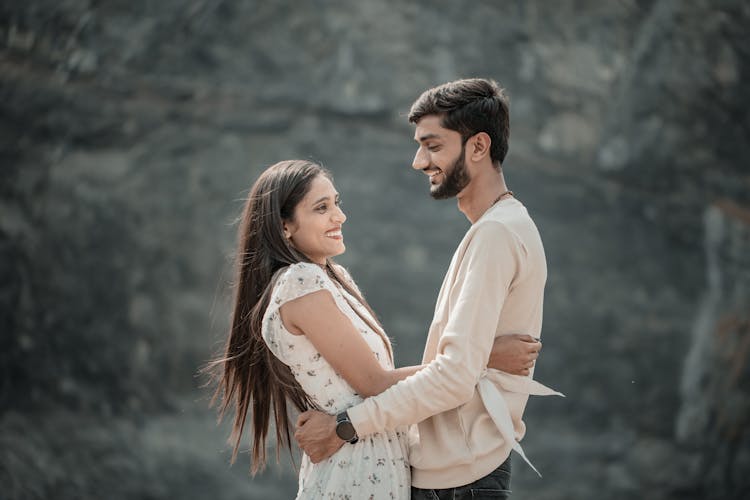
<point>303,417</point>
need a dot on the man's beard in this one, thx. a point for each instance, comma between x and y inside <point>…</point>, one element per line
<point>456,179</point>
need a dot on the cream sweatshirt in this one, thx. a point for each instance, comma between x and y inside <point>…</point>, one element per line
<point>469,417</point>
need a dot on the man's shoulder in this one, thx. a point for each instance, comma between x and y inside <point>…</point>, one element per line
<point>511,210</point>
<point>490,229</point>
<point>510,219</point>
<point>488,238</point>
<point>510,225</point>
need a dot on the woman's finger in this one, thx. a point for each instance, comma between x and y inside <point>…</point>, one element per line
<point>526,338</point>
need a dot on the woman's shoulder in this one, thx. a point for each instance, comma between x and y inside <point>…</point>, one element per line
<point>301,268</point>
<point>300,279</point>
<point>344,273</point>
<point>308,269</point>
<point>341,270</point>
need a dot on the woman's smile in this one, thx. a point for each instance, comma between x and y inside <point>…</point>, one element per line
<point>335,234</point>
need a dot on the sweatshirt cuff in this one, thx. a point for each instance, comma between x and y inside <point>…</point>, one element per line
<point>360,420</point>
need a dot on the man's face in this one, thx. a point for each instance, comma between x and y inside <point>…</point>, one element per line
<point>441,157</point>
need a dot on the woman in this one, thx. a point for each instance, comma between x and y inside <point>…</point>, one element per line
<point>302,332</point>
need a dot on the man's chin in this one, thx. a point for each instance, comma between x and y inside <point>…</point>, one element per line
<point>439,193</point>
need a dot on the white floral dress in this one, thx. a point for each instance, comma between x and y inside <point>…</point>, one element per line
<point>377,465</point>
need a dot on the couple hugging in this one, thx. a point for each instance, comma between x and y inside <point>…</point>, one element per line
<point>303,335</point>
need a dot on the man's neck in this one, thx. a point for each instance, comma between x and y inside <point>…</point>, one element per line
<point>480,194</point>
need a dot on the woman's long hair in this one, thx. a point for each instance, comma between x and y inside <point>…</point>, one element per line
<point>248,374</point>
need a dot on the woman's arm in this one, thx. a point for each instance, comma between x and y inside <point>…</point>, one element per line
<point>515,353</point>
<point>317,316</point>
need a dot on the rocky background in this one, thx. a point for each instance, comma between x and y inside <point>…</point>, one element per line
<point>131,131</point>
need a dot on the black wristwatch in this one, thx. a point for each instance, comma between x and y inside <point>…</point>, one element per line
<point>344,428</point>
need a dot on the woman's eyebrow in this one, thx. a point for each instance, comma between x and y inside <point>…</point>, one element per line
<point>324,198</point>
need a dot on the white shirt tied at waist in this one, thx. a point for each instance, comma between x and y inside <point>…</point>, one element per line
<point>498,409</point>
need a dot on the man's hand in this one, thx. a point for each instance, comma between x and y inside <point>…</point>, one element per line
<point>515,353</point>
<point>316,435</point>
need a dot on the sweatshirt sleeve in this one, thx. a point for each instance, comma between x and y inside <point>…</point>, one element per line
<point>485,274</point>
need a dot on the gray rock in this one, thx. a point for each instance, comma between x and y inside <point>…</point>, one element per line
<point>131,132</point>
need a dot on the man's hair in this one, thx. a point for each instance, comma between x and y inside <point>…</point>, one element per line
<point>469,106</point>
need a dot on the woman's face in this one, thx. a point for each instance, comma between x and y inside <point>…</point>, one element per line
<point>316,228</point>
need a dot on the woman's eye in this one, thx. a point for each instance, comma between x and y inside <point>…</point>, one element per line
<point>338,202</point>
<point>321,208</point>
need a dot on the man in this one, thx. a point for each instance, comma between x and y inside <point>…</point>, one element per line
<point>469,418</point>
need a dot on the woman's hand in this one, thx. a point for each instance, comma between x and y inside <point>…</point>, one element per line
<point>515,353</point>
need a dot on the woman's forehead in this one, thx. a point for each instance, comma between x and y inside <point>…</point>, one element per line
<point>321,187</point>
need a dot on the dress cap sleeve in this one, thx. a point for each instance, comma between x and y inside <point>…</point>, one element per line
<point>298,280</point>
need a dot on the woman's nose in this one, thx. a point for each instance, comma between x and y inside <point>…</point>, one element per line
<point>339,215</point>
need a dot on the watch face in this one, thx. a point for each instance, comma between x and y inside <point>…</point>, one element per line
<point>345,430</point>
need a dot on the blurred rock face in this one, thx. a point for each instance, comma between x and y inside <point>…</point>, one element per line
<point>130,133</point>
<point>685,132</point>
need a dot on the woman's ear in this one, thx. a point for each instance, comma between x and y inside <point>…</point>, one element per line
<point>287,230</point>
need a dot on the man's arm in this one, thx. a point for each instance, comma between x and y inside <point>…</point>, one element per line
<point>490,263</point>
<point>316,431</point>
<point>487,270</point>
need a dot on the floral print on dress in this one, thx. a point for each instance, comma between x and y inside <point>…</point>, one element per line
<point>374,467</point>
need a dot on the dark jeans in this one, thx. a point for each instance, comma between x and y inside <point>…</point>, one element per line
<point>496,484</point>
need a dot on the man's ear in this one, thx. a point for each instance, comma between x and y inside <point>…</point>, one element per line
<point>480,148</point>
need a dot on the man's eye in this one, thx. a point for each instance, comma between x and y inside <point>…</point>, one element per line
<point>433,148</point>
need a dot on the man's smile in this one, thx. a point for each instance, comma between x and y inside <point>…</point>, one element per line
<point>432,173</point>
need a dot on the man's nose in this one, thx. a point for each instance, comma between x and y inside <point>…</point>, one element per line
<point>421,161</point>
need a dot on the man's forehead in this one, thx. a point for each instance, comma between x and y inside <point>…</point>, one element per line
<point>429,127</point>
